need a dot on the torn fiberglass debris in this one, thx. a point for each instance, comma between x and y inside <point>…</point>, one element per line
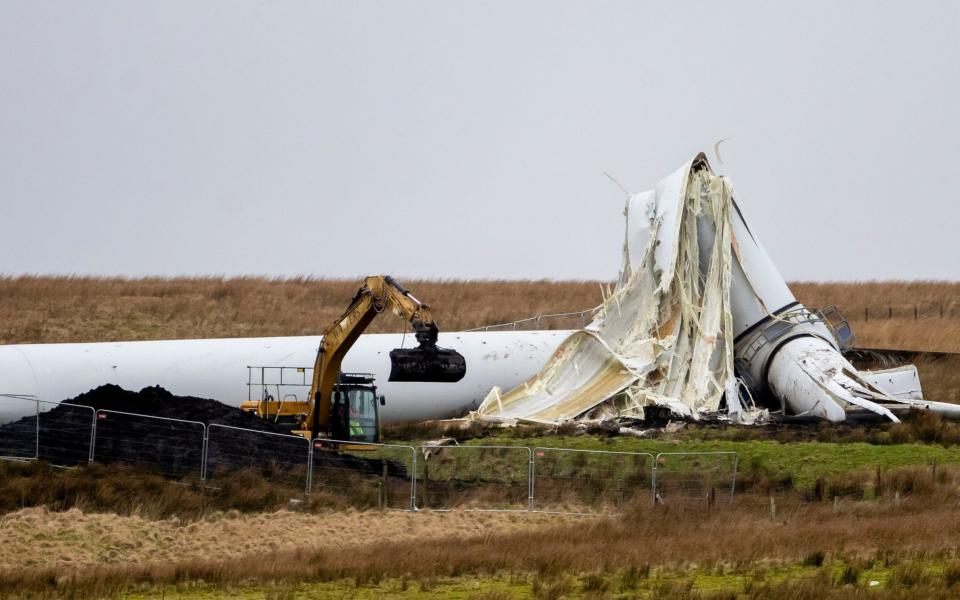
<point>699,314</point>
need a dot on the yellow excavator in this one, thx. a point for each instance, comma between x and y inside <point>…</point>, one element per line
<point>345,406</point>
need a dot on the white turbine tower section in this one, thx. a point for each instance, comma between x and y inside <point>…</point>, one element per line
<point>217,368</point>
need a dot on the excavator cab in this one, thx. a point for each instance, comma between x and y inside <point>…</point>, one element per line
<point>355,409</point>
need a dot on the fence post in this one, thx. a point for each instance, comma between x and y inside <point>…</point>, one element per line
<point>203,454</point>
<point>93,438</point>
<point>733,483</point>
<point>653,478</point>
<point>413,480</point>
<point>382,488</point>
<point>531,472</point>
<point>310,443</point>
<point>426,478</point>
<point>36,440</point>
<point>866,313</point>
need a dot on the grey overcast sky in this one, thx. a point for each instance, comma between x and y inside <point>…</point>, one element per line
<point>469,139</point>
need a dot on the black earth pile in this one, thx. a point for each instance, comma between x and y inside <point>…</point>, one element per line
<point>174,447</point>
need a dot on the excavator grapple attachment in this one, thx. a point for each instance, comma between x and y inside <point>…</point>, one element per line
<point>431,364</point>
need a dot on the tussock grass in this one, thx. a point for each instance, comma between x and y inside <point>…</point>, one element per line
<point>882,312</point>
<point>37,309</point>
<point>586,556</point>
<point>124,490</point>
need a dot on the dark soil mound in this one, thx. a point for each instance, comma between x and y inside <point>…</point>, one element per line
<point>158,402</point>
<point>172,441</point>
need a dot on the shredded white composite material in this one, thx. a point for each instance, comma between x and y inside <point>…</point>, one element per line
<point>696,293</point>
<point>665,335</point>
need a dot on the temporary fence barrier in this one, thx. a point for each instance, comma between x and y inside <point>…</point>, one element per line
<point>278,457</point>
<point>365,475</point>
<point>695,477</point>
<point>19,440</point>
<point>368,475</point>
<point>590,481</point>
<point>474,477</point>
<point>173,447</point>
<point>65,433</point>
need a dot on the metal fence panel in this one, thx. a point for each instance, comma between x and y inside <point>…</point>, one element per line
<point>278,457</point>
<point>590,481</point>
<point>65,433</point>
<point>365,475</point>
<point>473,477</point>
<point>368,475</point>
<point>695,477</point>
<point>173,447</point>
<point>18,435</point>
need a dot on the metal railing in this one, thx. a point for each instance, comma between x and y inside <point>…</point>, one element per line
<point>261,381</point>
<point>367,475</point>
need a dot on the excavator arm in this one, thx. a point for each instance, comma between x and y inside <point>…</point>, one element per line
<point>427,362</point>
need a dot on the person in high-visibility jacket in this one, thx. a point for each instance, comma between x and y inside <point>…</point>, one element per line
<point>356,429</point>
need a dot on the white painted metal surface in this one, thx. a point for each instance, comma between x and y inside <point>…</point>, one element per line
<point>813,379</point>
<point>756,287</point>
<point>217,368</point>
<point>900,382</point>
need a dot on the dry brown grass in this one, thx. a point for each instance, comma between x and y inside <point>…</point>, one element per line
<point>882,312</point>
<point>38,538</point>
<point>126,490</point>
<point>36,309</point>
<point>85,309</point>
<point>452,545</point>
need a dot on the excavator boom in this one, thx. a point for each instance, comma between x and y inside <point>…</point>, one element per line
<point>427,362</point>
